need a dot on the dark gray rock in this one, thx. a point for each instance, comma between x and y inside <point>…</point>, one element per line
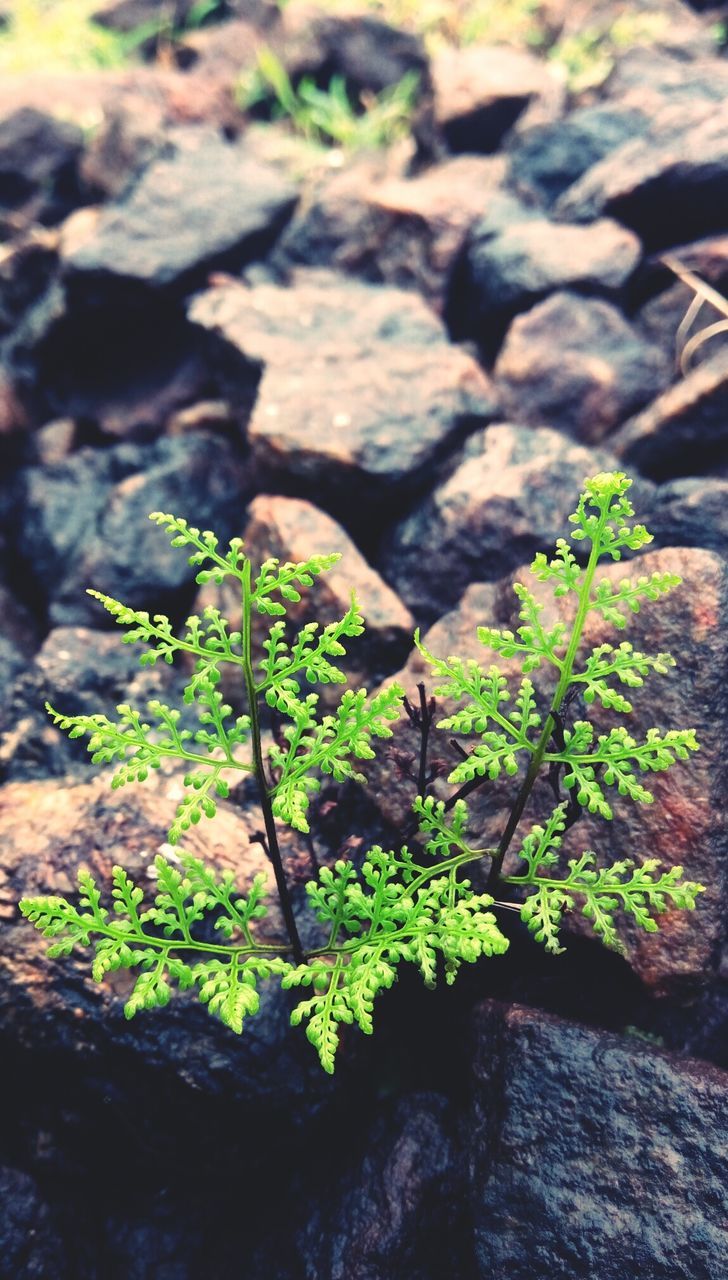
<point>26,268</point>
<point>83,522</point>
<point>84,672</point>
<point>513,261</point>
<point>404,231</point>
<point>399,1208</point>
<point>370,54</point>
<point>508,499</point>
<point>593,1155</point>
<point>691,513</point>
<point>670,186</point>
<point>480,92</point>
<point>211,204</point>
<point>545,159</point>
<point>32,1247</point>
<point>38,164</point>
<point>587,382</point>
<point>685,430</point>
<point>127,16</point>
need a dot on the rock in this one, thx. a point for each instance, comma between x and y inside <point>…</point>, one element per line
<point>480,91</point>
<point>18,641</point>
<point>84,522</point>
<point>317,313</point>
<point>652,77</point>
<point>668,298</point>
<point>687,824</point>
<point>397,1209</point>
<point>545,159</point>
<point>130,136</point>
<point>127,16</point>
<point>637,1127</point>
<point>38,164</point>
<point>684,431</point>
<point>508,267</point>
<point>508,499</point>
<point>402,231</point>
<point>361,392</point>
<point>32,1247</point>
<point>691,513</point>
<point>177,1062</point>
<point>599,373</point>
<point>84,672</point>
<point>290,529</point>
<point>209,205</point>
<point>370,54</point>
<point>26,267</point>
<point>670,185</point>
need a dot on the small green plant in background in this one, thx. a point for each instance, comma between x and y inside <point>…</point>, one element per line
<point>330,116</point>
<point>44,35</point>
<point>415,903</point>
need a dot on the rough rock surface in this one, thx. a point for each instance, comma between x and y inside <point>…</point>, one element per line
<point>545,159</point>
<point>680,166</point>
<point>684,430</point>
<point>343,411</point>
<point>405,231</point>
<point>599,373</point>
<point>38,164</point>
<point>509,498</point>
<point>509,266</point>
<point>48,830</point>
<point>30,1242</point>
<point>593,1154</point>
<point>692,512</point>
<point>233,208</point>
<point>83,522</point>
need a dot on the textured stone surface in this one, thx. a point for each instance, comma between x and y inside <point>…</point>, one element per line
<point>692,512</point>
<point>669,186</point>
<point>511,265</point>
<point>210,204</point>
<point>685,430</point>
<point>545,159</point>
<point>84,521</point>
<point>480,92</point>
<point>390,228</point>
<point>508,499</point>
<point>38,164</point>
<point>399,1209</point>
<point>593,1155</point>
<point>361,390</point>
<point>29,1238</point>
<point>598,373</point>
<point>48,830</point>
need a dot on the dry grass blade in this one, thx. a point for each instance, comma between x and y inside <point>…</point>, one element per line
<point>687,346</point>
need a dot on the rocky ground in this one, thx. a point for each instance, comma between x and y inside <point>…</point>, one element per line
<point>413,356</point>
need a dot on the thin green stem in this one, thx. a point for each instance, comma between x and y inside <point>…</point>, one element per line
<point>559,694</point>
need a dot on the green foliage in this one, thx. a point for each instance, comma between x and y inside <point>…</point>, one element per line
<point>633,890</point>
<point>413,904</point>
<point>330,116</point>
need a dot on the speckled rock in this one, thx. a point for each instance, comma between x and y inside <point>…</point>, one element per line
<point>480,92</point>
<point>593,1154</point>
<point>31,1243</point>
<point>545,159</point>
<point>508,499</point>
<point>598,373</point>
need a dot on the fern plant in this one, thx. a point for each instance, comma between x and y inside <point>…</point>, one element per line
<point>415,903</point>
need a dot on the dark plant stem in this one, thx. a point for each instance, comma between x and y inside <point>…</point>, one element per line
<point>263,792</point>
<point>426,713</point>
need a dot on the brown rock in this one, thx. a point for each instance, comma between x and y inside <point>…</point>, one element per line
<point>383,227</point>
<point>480,92</point>
<point>596,374</point>
<point>685,430</point>
<point>291,529</point>
<point>669,186</point>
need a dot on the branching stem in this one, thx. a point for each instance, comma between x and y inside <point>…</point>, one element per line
<point>259,767</point>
